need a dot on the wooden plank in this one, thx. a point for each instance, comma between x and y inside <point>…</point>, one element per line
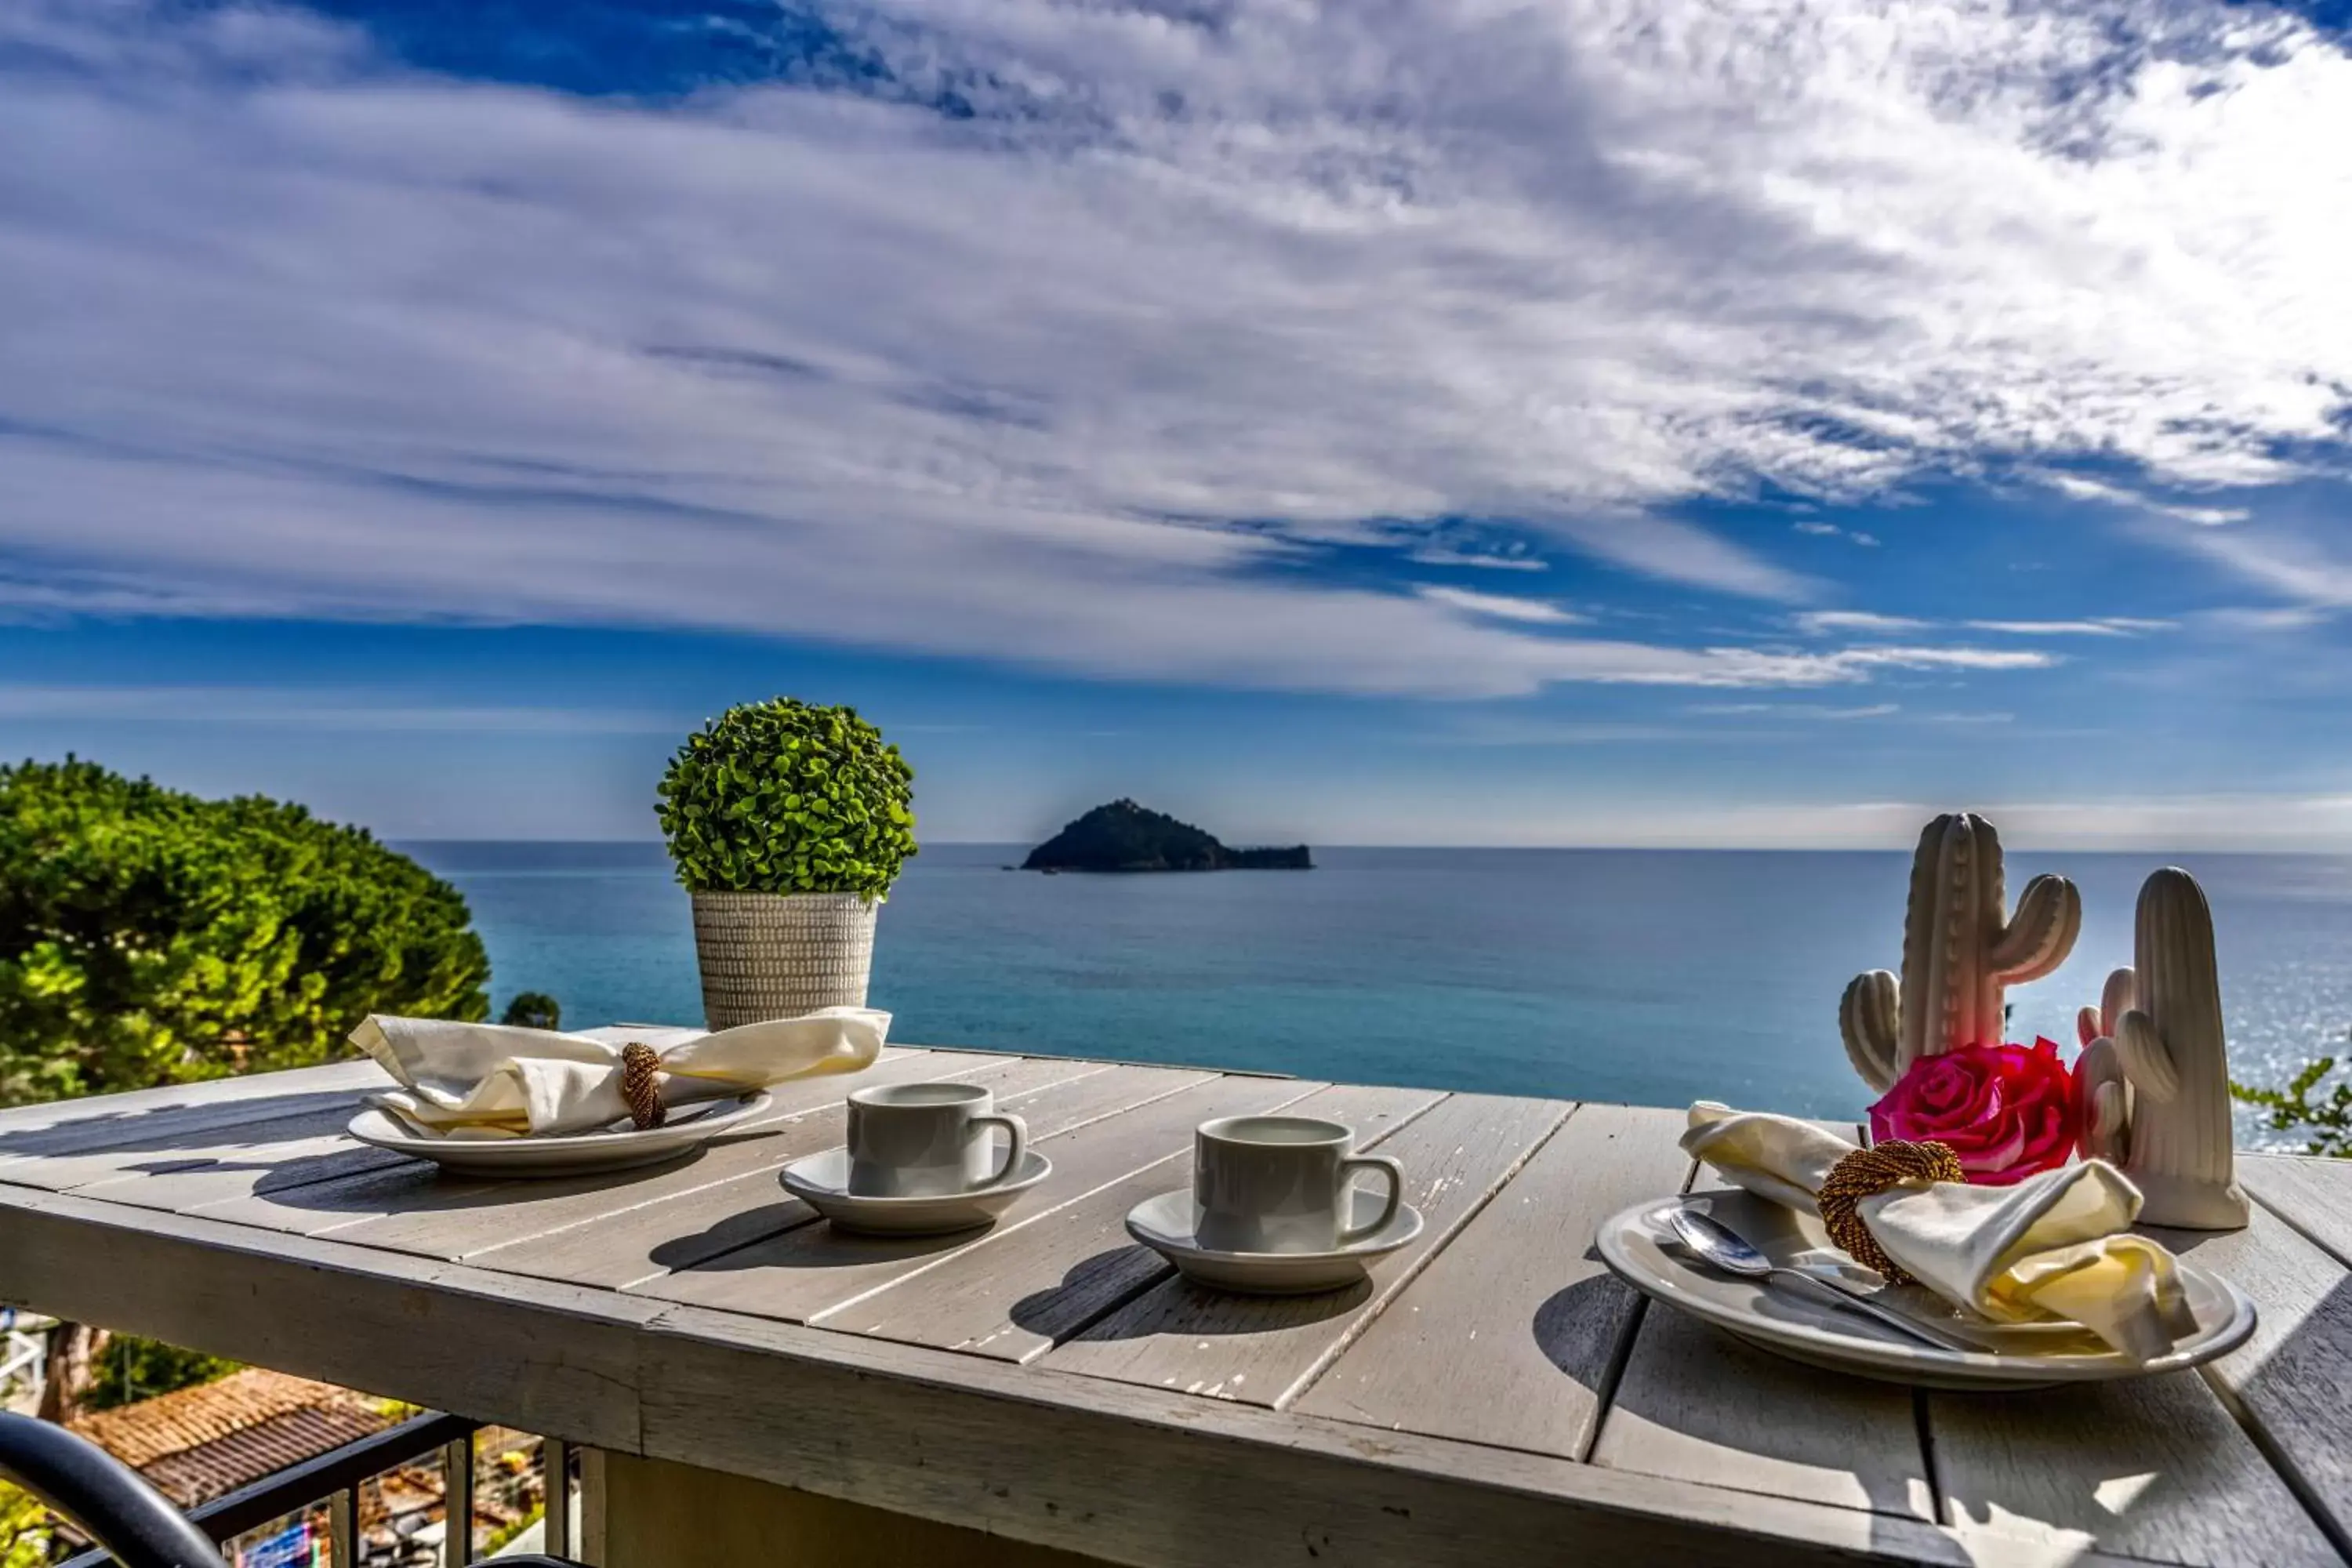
<point>1143,1475</point>
<point>797,1275</point>
<point>179,1111</point>
<point>325,1206</point>
<point>457,1219</point>
<point>1699,1405</point>
<point>2287,1384</point>
<point>1829,1438</point>
<point>274,1157</point>
<point>1163,1478</point>
<point>1022,1292</point>
<point>543,1357</point>
<point>800,1275</point>
<point>2152,1467</point>
<point>642,1244</point>
<point>2312,1194</point>
<point>1176,1335</point>
<point>1509,1336</point>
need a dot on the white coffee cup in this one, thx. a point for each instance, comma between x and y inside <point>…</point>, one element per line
<point>928,1140</point>
<point>1282,1184</point>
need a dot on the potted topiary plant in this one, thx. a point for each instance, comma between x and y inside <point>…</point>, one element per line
<point>787,823</point>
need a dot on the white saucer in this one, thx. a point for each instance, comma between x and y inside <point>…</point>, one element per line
<point>568,1154</point>
<point>1169,1223</point>
<point>822,1182</point>
<point>1641,1249</point>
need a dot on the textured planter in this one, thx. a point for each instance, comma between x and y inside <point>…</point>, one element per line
<point>778,955</point>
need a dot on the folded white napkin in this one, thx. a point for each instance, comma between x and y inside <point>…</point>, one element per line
<point>2055,1244</point>
<point>494,1080</point>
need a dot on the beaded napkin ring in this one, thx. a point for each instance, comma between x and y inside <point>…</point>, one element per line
<point>641,1086</point>
<point>1874,1170</point>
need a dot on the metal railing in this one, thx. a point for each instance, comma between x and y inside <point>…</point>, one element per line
<point>335,1478</point>
<point>24,1349</point>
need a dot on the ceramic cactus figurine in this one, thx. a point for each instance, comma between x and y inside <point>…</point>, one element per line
<point>2155,1069</point>
<point>1961,949</point>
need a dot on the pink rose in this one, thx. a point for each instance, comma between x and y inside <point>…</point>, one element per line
<point>2006,1110</point>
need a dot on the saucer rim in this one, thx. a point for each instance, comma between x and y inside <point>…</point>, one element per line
<point>1034,1168</point>
<point>1409,1223</point>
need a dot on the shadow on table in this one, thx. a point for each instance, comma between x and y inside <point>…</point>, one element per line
<point>1578,1327</point>
<point>197,1125</point>
<point>1130,1292</point>
<point>793,1237</point>
<point>2161,1466</point>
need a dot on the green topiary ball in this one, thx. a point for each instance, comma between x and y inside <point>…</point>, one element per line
<point>782,797</point>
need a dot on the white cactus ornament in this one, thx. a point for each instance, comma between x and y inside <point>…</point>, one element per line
<point>1961,949</point>
<point>2154,1070</point>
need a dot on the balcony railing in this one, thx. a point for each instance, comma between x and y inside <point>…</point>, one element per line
<point>335,1478</point>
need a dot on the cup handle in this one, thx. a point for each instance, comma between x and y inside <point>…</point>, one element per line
<point>1016,1132</point>
<point>1395,1173</point>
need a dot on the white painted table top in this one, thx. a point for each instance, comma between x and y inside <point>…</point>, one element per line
<point>1490,1395</point>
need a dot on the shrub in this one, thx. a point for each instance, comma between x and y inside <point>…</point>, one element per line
<point>148,937</point>
<point>782,797</point>
<point>533,1010</point>
<point>2328,1119</point>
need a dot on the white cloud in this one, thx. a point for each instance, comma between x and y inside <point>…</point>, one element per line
<point>1798,710</point>
<point>1501,606</point>
<point>2303,570</point>
<point>1079,381</point>
<point>1435,555</point>
<point>1832,531</point>
<point>1818,623</point>
<point>261,707</point>
<point>2147,824</point>
<point>2097,626</point>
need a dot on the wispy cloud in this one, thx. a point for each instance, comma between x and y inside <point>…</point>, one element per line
<point>1797,710</point>
<point>1080,379</point>
<point>1821,529</point>
<point>1501,606</point>
<point>1434,555</point>
<point>1820,623</point>
<point>2097,626</point>
<point>1867,623</point>
<point>2303,569</point>
<point>264,706</point>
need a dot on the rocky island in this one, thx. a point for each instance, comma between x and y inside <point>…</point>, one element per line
<point>1125,837</point>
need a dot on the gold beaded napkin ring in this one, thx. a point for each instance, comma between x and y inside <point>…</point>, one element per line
<point>1874,1170</point>
<point>641,1086</point>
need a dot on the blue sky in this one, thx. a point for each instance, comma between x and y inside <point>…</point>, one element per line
<point>1445,423</point>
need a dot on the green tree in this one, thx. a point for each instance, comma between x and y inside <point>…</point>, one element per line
<point>533,1010</point>
<point>27,1535</point>
<point>147,936</point>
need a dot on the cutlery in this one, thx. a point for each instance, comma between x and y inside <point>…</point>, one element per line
<point>1727,1250</point>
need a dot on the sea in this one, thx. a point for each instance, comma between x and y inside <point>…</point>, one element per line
<point>1651,977</point>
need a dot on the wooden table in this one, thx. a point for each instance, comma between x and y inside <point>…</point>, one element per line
<point>1492,1396</point>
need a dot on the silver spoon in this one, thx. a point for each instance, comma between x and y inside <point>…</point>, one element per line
<point>1727,1250</point>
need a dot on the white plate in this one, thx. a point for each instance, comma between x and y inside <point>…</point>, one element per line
<point>571,1154</point>
<point>1641,1249</point>
<point>822,1182</point>
<point>1167,1224</point>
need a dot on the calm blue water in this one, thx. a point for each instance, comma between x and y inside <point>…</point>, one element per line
<point>1641,976</point>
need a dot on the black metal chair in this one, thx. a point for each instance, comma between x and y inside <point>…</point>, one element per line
<point>114,1506</point>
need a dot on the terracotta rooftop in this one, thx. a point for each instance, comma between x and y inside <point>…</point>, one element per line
<point>196,1444</point>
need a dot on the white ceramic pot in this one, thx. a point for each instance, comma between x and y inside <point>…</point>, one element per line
<point>778,955</point>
